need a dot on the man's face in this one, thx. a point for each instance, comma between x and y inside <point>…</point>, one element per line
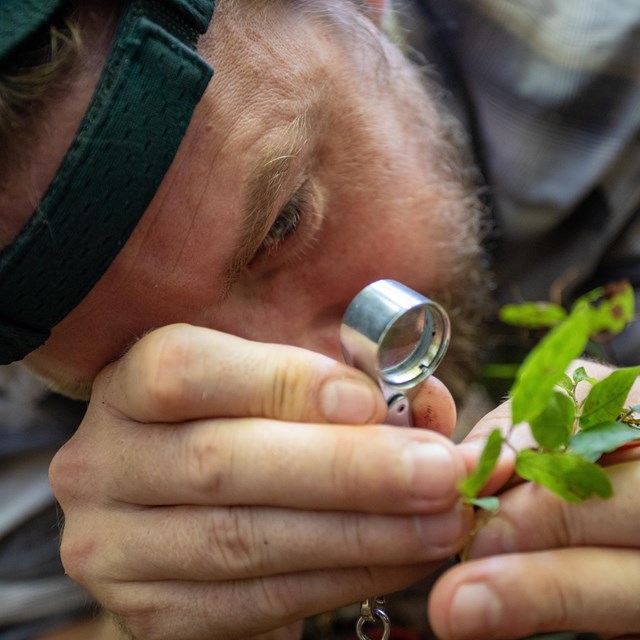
<point>313,165</point>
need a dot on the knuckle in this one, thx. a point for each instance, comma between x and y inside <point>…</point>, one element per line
<point>355,536</point>
<point>567,524</point>
<point>166,361</point>
<point>78,555</point>
<point>67,473</point>
<point>359,534</point>
<point>560,614</point>
<point>135,615</point>
<point>139,622</point>
<point>205,464</point>
<point>346,473</point>
<point>286,396</point>
<point>232,539</point>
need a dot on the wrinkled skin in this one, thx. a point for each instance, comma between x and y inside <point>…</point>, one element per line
<point>241,493</point>
<point>177,520</point>
<point>220,486</point>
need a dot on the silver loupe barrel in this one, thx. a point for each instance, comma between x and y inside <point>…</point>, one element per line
<point>394,334</point>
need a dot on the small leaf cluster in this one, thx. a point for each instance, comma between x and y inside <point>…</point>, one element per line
<point>571,434</point>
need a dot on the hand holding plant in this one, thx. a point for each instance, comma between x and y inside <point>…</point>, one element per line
<point>553,561</point>
<point>571,434</point>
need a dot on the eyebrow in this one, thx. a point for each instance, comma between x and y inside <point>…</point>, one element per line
<point>266,183</point>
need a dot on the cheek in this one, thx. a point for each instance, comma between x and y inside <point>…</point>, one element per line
<point>150,284</point>
<point>96,332</point>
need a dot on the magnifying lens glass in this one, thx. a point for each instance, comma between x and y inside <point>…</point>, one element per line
<point>396,336</point>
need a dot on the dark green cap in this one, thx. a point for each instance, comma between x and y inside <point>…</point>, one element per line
<point>142,106</point>
<point>20,19</point>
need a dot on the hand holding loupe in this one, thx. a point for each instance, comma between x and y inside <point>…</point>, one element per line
<point>398,337</point>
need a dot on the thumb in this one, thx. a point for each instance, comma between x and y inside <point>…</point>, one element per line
<point>181,372</point>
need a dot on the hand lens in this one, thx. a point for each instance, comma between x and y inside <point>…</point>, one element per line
<point>398,337</point>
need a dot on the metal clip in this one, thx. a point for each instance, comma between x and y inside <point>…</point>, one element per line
<point>372,611</point>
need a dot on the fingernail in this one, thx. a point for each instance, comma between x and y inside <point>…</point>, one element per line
<point>497,536</point>
<point>432,472</point>
<point>475,612</point>
<point>443,532</point>
<point>347,401</point>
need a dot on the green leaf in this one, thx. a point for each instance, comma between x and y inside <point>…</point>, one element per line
<point>533,315</point>
<point>615,310</point>
<point>553,427</point>
<point>490,503</point>
<point>607,397</point>
<point>580,375</point>
<point>546,363</point>
<point>566,383</point>
<point>471,486</point>
<point>602,438</point>
<point>591,296</point>
<point>568,475</point>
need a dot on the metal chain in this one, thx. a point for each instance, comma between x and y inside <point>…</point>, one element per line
<point>372,611</point>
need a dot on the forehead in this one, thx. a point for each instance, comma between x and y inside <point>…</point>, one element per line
<point>276,69</point>
<point>283,51</point>
<point>284,70</point>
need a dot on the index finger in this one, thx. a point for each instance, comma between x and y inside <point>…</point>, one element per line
<point>182,372</point>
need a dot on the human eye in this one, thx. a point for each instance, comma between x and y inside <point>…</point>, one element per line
<point>286,223</point>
